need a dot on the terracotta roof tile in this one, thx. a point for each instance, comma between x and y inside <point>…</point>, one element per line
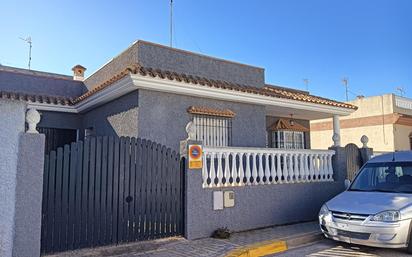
<point>268,90</point>
<point>285,124</point>
<point>56,100</point>
<point>211,111</point>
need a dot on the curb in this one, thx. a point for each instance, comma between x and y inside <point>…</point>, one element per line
<point>268,247</point>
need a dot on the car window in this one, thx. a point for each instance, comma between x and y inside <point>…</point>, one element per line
<point>385,177</point>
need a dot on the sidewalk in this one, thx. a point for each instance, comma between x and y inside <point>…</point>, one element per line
<point>180,247</point>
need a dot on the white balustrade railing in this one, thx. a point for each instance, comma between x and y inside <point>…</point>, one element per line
<point>230,166</point>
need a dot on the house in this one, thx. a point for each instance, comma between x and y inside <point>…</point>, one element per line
<point>385,119</point>
<point>152,91</point>
<point>111,172</point>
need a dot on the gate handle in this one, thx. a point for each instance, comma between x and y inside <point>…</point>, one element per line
<point>129,199</point>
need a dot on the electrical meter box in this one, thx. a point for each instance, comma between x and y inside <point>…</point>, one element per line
<point>217,200</point>
<point>229,199</point>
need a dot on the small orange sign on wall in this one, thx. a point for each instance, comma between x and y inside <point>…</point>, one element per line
<point>195,157</point>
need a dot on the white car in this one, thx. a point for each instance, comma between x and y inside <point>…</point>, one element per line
<point>376,208</point>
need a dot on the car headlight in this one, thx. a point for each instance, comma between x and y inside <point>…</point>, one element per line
<point>324,210</point>
<point>387,216</point>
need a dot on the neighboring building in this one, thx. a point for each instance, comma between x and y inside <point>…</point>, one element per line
<point>386,120</point>
<point>152,91</point>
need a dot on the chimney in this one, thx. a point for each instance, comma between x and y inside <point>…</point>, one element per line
<point>78,72</point>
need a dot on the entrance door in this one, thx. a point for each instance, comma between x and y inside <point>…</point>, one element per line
<point>57,137</point>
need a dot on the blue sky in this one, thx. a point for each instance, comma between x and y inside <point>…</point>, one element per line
<point>370,42</point>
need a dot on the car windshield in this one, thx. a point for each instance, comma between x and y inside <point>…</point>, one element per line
<point>393,177</point>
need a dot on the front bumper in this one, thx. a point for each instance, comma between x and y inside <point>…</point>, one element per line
<point>376,234</point>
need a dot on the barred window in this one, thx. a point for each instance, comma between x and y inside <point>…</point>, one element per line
<point>288,134</point>
<point>213,130</point>
<point>288,139</point>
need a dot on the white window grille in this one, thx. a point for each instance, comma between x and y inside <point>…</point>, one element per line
<point>287,139</point>
<point>213,130</point>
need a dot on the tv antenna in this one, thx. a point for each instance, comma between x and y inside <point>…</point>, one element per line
<point>171,23</point>
<point>401,91</point>
<point>28,41</point>
<point>306,81</point>
<point>345,84</point>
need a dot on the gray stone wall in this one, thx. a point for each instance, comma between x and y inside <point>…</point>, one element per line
<point>163,118</point>
<point>116,118</point>
<point>113,67</point>
<point>166,58</point>
<point>34,82</point>
<point>29,190</point>
<point>172,59</point>
<point>256,206</point>
<point>12,116</point>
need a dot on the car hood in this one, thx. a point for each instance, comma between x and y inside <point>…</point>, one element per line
<point>368,202</point>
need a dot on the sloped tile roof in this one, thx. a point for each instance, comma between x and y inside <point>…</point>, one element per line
<point>56,100</point>
<point>285,124</point>
<point>268,90</point>
<point>211,111</point>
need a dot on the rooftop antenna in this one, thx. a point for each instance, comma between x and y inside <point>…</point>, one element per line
<point>28,40</point>
<point>171,23</point>
<point>345,84</point>
<point>401,91</point>
<point>306,81</point>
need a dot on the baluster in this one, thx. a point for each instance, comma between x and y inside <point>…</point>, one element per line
<point>320,168</point>
<point>301,167</point>
<point>279,168</point>
<point>248,173</point>
<point>316,166</point>
<point>273,169</point>
<point>324,168</point>
<point>205,173</point>
<point>241,170</point>
<point>260,170</point>
<point>227,171</point>
<point>254,169</point>
<point>296,167</point>
<point>285,168</point>
<point>233,172</point>
<point>212,172</point>
<point>305,167</point>
<point>311,167</point>
<point>267,169</point>
<point>219,169</point>
<point>330,168</point>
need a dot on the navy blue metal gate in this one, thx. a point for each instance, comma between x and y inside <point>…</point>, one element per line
<point>109,190</point>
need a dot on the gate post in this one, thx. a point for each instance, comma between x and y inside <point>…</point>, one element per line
<point>192,187</point>
<point>29,190</point>
<point>366,152</point>
<point>339,164</point>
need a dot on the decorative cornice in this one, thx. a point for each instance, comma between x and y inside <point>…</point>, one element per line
<point>211,111</point>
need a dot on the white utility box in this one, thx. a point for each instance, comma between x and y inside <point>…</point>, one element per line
<point>229,199</point>
<point>217,200</point>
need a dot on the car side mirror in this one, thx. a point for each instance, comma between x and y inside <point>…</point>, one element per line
<point>347,183</point>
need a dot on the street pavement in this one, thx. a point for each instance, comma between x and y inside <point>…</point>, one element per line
<point>329,248</point>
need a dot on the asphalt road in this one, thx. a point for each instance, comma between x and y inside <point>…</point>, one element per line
<point>329,248</point>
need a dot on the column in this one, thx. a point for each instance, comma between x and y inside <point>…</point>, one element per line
<point>336,131</point>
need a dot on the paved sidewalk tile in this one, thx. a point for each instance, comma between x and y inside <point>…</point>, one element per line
<point>207,247</point>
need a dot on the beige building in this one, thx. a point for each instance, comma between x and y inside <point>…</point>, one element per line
<point>386,120</point>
